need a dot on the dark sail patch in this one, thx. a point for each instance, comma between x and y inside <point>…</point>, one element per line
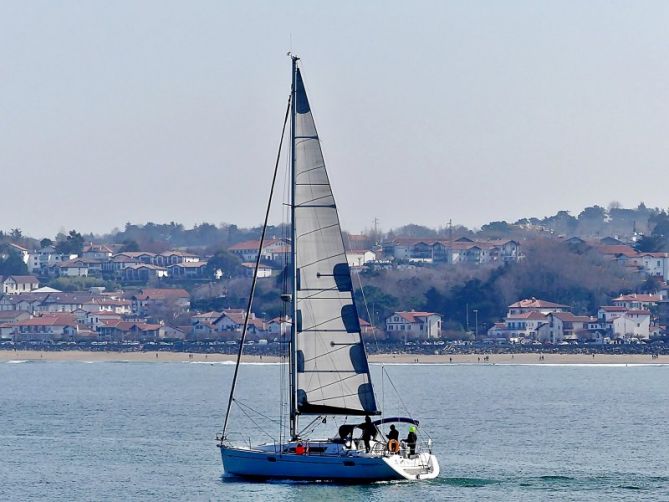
<point>299,362</point>
<point>342,277</point>
<point>349,316</point>
<point>358,359</point>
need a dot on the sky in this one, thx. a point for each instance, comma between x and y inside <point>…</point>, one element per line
<point>470,111</point>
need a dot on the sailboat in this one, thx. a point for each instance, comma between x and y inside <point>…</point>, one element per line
<point>329,376</point>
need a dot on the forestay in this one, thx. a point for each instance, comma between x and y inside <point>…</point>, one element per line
<point>332,370</point>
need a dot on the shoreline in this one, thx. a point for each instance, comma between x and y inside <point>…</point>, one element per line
<point>492,359</point>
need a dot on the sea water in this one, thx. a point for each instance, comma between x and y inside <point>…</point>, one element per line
<point>145,431</point>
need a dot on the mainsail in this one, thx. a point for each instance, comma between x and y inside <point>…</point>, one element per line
<point>332,374</point>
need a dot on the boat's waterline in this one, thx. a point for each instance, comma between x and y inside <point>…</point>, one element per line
<point>265,465</point>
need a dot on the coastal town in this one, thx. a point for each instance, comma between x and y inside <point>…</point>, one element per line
<point>158,300</point>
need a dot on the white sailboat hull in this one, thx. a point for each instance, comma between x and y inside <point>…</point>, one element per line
<point>258,464</point>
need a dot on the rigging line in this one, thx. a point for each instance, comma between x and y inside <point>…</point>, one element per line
<point>255,271</point>
<point>369,316</point>
<point>320,166</point>
<point>255,423</point>
<point>307,202</point>
<point>325,258</point>
<point>250,408</point>
<point>319,417</point>
<point>406,409</point>
<point>319,229</point>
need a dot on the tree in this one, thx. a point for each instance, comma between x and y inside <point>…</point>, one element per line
<point>416,231</point>
<point>497,227</point>
<point>226,262</point>
<point>15,234</point>
<point>12,264</point>
<point>129,246</point>
<point>45,243</point>
<point>650,244</point>
<point>73,244</point>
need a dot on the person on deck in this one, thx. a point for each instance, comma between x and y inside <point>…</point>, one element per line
<point>368,432</point>
<point>393,440</point>
<point>411,440</point>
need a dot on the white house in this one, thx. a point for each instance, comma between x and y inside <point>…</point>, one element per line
<point>73,268</point>
<point>534,305</point>
<point>636,301</point>
<point>41,260</point>
<point>633,324</point>
<point>413,325</point>
<point>15,284</point>
<point>168,258</point>
<point>561,326</point>
<point>358,257</point>
<point>279,326</point>
<point>273,249</point>
<point>263,270</point>
<point>188,270</point>
<point>232,321</point>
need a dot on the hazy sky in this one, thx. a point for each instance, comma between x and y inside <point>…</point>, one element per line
<point>116,111</point>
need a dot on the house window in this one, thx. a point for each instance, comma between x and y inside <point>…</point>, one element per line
<point>390,328</point>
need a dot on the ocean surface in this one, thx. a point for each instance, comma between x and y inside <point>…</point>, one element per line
<point>145,431</point>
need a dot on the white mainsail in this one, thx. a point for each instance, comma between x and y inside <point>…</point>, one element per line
<point>332,371</point>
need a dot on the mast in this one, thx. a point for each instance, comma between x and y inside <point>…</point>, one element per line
<point>293,262</point>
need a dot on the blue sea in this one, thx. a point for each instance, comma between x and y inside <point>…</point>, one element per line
<point>145,431</point>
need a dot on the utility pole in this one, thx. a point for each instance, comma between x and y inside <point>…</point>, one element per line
<point>476,332</point>
<point>467,316</point>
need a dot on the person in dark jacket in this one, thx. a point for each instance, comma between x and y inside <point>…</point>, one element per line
<point>393,444</point>
<point>368,432</point>
<point>411,440</point>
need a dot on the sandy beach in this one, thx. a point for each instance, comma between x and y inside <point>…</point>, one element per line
<point>528,358</point>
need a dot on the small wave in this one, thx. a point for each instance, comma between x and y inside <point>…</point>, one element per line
<point>17,361</point>
<point>468,482</point>
<point>631,487</point>
<point>555,478</point>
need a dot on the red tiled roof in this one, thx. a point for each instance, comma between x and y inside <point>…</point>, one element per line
<point>60,319</point>
<point>638,312</point>
<point>569,317</point>
<point>638,297</point>
<point>414,316</point>
<point>22,278</point>
<point>536,304</point>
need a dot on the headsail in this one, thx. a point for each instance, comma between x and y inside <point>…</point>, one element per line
<point>332,370</point>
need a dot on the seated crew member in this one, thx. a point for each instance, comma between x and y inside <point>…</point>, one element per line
<point>393,439</point>
<point>346,432</point>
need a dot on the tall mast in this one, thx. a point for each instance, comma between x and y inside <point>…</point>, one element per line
<point>293,261</point>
